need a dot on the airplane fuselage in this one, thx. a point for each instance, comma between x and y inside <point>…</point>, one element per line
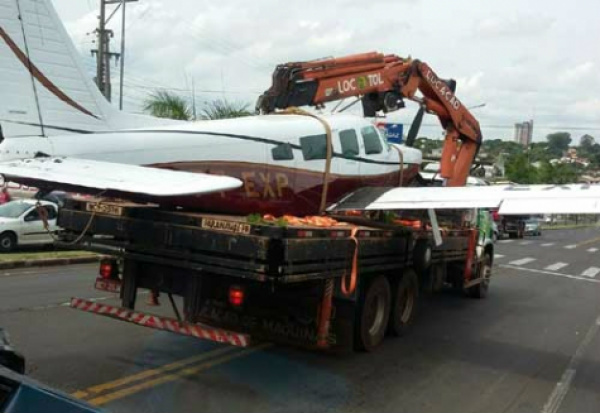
<point>281,159</point>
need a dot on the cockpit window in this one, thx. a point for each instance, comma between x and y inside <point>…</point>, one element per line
<point>314,147</point>
<point>372,140</point>
<point>349,143</point>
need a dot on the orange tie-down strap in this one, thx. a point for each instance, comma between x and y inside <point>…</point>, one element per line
<point>319,221</point>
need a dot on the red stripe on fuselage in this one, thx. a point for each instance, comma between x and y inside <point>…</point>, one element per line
<point>277,190</point>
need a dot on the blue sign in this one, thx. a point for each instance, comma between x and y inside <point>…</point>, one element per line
<point>394,131</point>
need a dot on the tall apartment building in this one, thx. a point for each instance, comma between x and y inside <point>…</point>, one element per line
<point>524,132</point>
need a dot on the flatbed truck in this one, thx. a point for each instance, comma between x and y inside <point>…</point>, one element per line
<point>244,280</point>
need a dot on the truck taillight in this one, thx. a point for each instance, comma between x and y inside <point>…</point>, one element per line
<point>108,269</point>
<point>236,296</point>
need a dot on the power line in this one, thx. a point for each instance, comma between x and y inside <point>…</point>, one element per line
<point>174,89</point>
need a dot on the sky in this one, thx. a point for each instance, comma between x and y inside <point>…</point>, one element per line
<point>535,60</point>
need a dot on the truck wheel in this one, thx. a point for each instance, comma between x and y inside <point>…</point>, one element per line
<point>422,256</point>
<point>404,304</point>
<point>373,315</point>
<point>480,290</point>
<point>8,241</point>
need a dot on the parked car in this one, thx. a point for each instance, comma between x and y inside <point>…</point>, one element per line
<point>533,227</point>
<point>21,224</point>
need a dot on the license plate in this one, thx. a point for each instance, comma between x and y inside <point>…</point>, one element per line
<point>112,286</point>
<point>226,226</point>
<point>106,209</point>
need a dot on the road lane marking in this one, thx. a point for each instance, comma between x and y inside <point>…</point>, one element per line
<point>591,272</point>
<point>525,242</point>
<point>93,390</point>
<point>556,266</point>
<point>53,305</point>
<point>548,244</point>
<point>589,241</point>
<point>570,247</point>
<point>188,371</point>
<point>564,384</point>
<point>556,274</point>
<point>506,241</point>
<point>592,250</point>
<point>522,261</point>
<point>38,271</point>
<point>498,256</point>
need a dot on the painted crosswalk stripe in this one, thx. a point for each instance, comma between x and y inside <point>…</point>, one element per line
<point>556,266</point>
<point>522,261</point>
<point>498,255</point>
<point>571,247</point>
<point>525,242</point>
<point>592,250</point>
<point>591,272</point>
<point>548,244</point>
<point>506,241</point>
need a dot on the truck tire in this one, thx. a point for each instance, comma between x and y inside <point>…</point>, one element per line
<point>480,290</point>
<point>8,241</point>
<point>373,314</point>
<point>404,304</point>
<point>422,256</point>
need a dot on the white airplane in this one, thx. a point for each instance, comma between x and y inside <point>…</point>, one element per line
<point>58,132</point>
<point>49,108</point>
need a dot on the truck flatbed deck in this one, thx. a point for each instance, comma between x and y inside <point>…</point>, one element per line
<point>290,277</point>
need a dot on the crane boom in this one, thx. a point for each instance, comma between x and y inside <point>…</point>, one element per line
<point>382,82</point>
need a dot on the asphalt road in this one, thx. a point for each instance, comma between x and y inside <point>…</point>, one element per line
<point>532,346</point>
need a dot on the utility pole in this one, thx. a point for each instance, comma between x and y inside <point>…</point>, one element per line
<point>103,53</point>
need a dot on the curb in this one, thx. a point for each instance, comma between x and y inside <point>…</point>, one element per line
<point>48,262</point>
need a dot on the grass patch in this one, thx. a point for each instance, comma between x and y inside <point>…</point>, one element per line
<point>42,255</point>
<point>569,226</point>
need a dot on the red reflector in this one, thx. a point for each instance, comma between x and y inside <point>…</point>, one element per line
<point>106,269</point>
<point>304,234</point>
<point>236,296</point>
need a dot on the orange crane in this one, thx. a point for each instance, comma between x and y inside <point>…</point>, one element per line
<point>382,82</point>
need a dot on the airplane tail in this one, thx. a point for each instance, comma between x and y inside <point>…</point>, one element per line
<point>44,88</point>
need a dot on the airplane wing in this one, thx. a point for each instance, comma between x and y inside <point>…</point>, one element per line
<point>510,199</point>
<point>112,179</point>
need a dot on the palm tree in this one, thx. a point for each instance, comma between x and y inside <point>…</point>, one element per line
<point>223,109</point>
<point>163,104</point>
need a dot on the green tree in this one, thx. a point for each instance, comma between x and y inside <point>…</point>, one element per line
<point>223,109</point>
<point>559,173</point>
<point>586,141</point>
<point>519,170</point>
<point>538,152</point>
<point>558,143</point>
<point>163,104</point>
